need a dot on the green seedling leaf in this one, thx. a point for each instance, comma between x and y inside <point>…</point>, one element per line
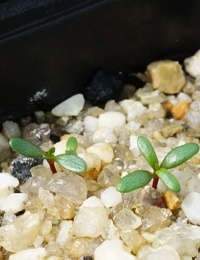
<point>168,179</point>
<point>51,151</point>
<point>72,144</point>
<point>26,148</point>
<point>179,155</point>
<point>71,162</point>
<point>147,151</point>
<point>133,181</point>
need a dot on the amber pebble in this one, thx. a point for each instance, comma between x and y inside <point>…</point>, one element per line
<point>179,110</point>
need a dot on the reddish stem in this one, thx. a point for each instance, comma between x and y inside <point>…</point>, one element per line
<point>52,166</point>
<point>155,182</point>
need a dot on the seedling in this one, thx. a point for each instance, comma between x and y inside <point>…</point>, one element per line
<point>69,160</point>
<point>174,158</point>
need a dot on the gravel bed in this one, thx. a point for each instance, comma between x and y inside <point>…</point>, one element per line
<point>67,216</point>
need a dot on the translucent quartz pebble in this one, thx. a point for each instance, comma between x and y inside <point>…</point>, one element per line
<point>126,219</point>
<point>164,253</point>
<point>188,180</point>
<point>110,231</point>
<point>192,115</point>
<point>91,218</point>
<point>111,197</point>
<point>11,129</point>
<point>132,108</point>
<point>104,134</point>
<point>32,185</point>
<point>191,207</point>
<point>31,253</point>
<point>154,218</point>
<point>4,147</point>
<point>112,105</point>
<point>37,134</point>
<point>132,239</point>
<point>109,176</point>
<point>41,171</point>
<point>111,119</point>
<point>13,202</point>
<point>69,186</point>
<point>46,197</point>
<point>184,238</point>
<point>90,123</point>
<point>21,233</point>
<point>151,97</point>
<point>81,248</point>
<point>70,107</point>
<point>103,150</point>
<point>112,249</point>
<point>192,64</point>
<point>7,180</point>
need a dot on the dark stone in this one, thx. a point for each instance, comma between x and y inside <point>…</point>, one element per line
<point>20,167</point>
<point>132,79</point>
<point>103,87</point>
<point>54,138</point>
<point>86,258</point>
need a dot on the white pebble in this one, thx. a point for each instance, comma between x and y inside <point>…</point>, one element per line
<point>183,97</point>
<point>90,221</point>
<point>11,129</point>
<point>90,123</point>
<point>111,197</point>
<point>13,202</point>
<point>133,145</point>
<point>191,207</point>
<point>164,253</point>
<point>132,108</point>
<point>92,201</point>
<point>111,119</point>
<point>63,234</point>
<point>70,107</point>
<point>7,180</point>
<point>192,64</point>
<point>103,150</point>
<point>112,249</point>
<point>32,253</point>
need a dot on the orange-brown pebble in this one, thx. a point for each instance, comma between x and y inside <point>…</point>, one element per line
<point>167,106</point>
<point>178,111</point>
<point>171,200</point>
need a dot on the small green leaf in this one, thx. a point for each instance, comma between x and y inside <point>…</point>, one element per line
<point>179,155</point>
<point>72,144</point>
<point>147,151</point>
<point>51,151</point>
<point>26,148</point>
<point>133,181</point>
<point>71,162</point>
<point>168,179</point>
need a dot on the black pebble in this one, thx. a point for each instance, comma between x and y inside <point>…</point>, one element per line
<point>20,167</point>
<point>86,258</point>
<point>103,87</point>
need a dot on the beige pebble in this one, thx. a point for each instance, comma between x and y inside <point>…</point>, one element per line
<point>166,76</point>
<point>103,150</point>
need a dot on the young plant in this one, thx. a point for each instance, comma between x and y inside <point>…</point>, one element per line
<point>69,160</point>
<point>174,158</point>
